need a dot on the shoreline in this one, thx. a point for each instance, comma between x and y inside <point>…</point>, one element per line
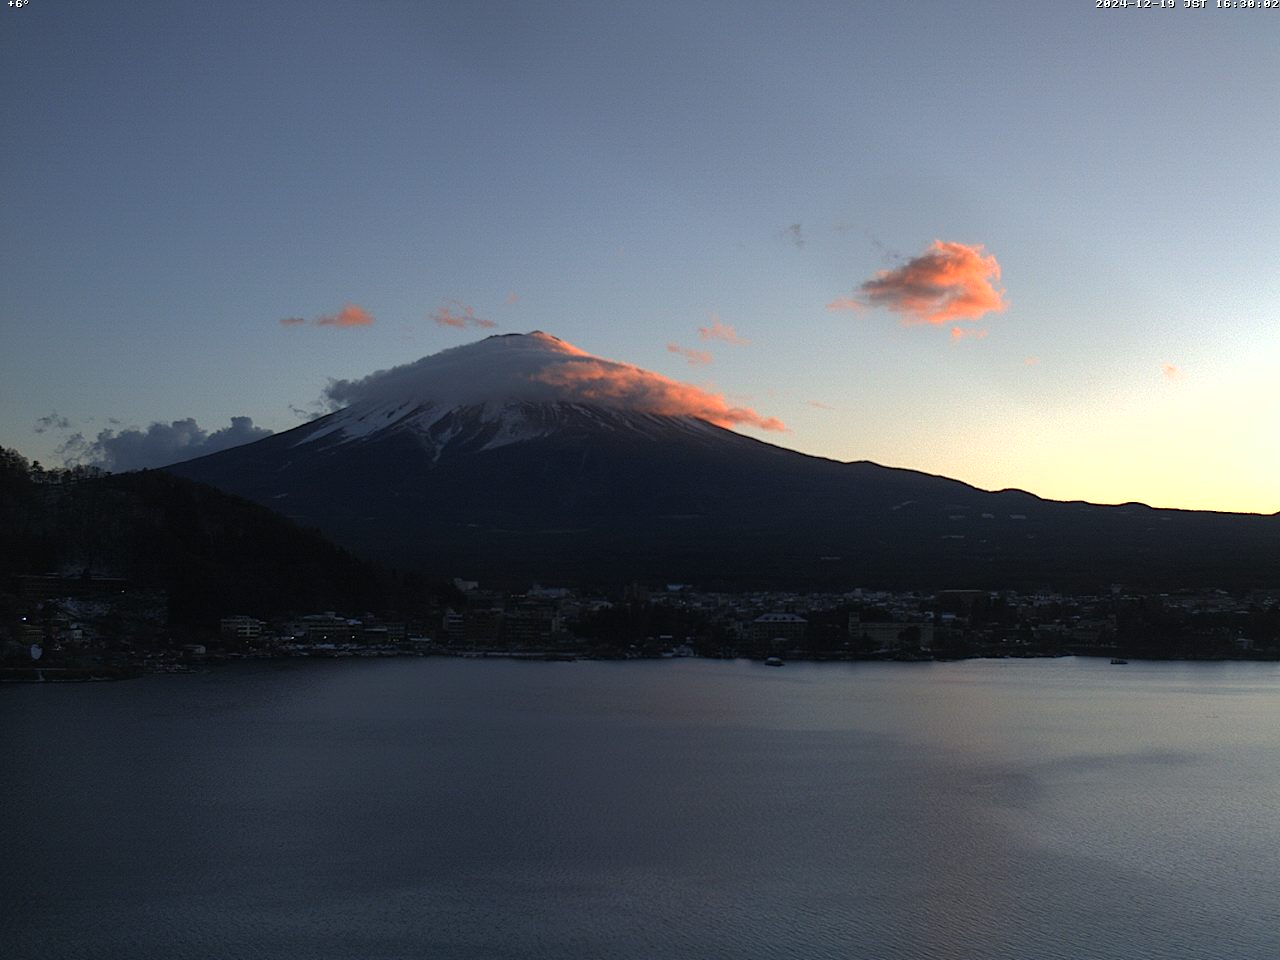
<point>99,674</point>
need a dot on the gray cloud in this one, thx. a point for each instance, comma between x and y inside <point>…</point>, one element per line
<point>52,422</point>
<point>158,445</point>
<point>317,410</point>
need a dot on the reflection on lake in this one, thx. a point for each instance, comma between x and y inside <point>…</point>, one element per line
<point>461,808</point>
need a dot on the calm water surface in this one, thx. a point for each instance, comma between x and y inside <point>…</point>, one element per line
<point>495,809</point>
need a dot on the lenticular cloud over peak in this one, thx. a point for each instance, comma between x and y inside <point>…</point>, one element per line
<point>537,368</point>
<point>496,368</point>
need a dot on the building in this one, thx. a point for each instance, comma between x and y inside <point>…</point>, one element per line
<point>240,628</point>
<point>530,625</point>
<point>779,629</point>
<point>890,635</point>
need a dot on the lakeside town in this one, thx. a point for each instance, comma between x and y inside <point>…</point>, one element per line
<point>87,628</point>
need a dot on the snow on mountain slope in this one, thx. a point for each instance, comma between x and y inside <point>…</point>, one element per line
<point>515,387</point>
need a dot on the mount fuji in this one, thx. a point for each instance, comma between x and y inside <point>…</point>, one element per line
<point>521,457</point>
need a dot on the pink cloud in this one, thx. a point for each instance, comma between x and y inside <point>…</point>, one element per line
<point>721,331</point>
<point>847,303</point>
<point>620,384</point>
<point>511,298</point>
<point>349,316</point>
<point>946,283</point>
<point>1031,361</point>
<point>819,405</point>
<point>445,317</point>
<point>960,333</point>
<point>1172,372</point>
<point>695,357</point>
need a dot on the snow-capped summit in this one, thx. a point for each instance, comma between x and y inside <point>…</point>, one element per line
<point>514,387</point>
<point>502,367</point>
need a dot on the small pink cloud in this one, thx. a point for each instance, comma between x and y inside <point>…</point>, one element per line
<point>511,298</point>
<point>445,318</point>
<point>466,317</point>
<point>1031,361</point>
<point>818,404</point>
<point>721,331</point>
<point>695,357</point>
<point>961,333</point>
<point>349,316</point>
<point>1172,372</point>
<point>847,303</point>
<point>948,282</point>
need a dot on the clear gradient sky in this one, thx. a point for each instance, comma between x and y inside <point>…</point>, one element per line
<point>180,180</point>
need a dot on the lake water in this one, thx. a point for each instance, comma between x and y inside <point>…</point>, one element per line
<point>667,809</point>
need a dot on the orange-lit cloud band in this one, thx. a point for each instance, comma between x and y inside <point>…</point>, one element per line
<point>592,379</point>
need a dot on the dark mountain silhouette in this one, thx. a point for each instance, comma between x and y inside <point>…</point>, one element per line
<point>212,554</point>
<point>521,458</point>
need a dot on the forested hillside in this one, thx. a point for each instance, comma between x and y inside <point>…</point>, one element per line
<point>212,553</point>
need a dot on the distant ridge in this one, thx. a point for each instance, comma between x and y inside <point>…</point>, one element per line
<point>522,457</point>
<point>211,553</point>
